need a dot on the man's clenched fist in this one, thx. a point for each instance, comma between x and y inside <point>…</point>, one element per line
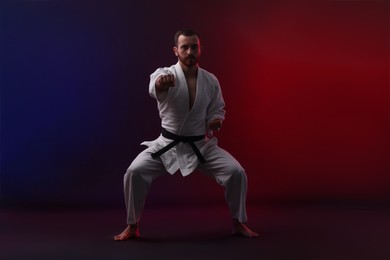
<point>215,124</point>
<point>165,81</point>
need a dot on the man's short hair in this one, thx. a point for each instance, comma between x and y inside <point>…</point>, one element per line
<point>184,32</point>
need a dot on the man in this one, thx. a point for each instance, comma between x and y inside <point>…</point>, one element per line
<point>190,104</point>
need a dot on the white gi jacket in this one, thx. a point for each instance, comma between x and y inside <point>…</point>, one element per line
<point>177,118</point>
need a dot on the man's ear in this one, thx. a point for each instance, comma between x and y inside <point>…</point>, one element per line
<point>175,51</point>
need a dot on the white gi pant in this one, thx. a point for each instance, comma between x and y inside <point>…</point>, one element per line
<point>220,165</point>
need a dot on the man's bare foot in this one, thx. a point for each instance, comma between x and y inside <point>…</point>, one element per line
<point>131,231</point>
<point>242,230</point>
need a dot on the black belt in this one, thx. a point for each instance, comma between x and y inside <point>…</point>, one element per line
<point>177,139</point>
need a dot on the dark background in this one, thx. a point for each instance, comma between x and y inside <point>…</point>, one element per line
<point>306,86</point>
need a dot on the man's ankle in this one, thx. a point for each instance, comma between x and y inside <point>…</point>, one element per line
<point>133,226</point>
<point>236,222</point>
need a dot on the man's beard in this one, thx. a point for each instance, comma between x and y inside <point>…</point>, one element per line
<point>189,61</point>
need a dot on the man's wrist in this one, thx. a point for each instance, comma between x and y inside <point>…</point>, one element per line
<point>161,88</point>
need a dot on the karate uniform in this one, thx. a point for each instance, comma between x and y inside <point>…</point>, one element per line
<point>177,118</point>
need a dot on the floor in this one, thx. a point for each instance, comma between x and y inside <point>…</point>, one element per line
<point>286,232</point>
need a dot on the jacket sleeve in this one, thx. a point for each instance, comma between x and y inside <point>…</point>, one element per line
<point>216,108</point>
<point>152,85</point>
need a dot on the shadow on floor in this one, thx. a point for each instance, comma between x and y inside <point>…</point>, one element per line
<point>286,232</point>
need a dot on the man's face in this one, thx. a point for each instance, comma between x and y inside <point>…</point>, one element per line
<point>188,50</point>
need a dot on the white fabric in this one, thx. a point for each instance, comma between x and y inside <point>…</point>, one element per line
<point>178,118</point>
<point>220,165</point>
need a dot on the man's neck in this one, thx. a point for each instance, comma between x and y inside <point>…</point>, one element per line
<point>189,71</point>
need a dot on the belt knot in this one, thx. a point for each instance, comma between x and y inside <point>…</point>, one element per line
<point>177,139</point>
